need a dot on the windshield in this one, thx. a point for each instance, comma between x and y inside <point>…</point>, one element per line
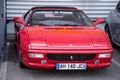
<point>59,18</point>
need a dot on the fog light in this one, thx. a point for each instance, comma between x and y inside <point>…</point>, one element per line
<point>33,55</point>
<point>97,61</point>
<point>108,55</point>
<point>43,61</point>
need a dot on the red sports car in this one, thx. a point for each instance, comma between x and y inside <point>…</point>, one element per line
<point>61,38</point>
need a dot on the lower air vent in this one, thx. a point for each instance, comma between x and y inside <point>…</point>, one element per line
<point>71,57</point>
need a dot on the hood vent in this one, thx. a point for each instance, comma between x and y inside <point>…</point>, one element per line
<point>54,28</point>
<point>63,28</point>
<point>74,28</point>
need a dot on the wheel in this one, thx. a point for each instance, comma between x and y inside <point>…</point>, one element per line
<point>15,46</point>
<point>108,31</point>
<point>21,64</point>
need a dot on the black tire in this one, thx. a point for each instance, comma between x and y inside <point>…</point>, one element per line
<point>108,31</point>
<point>21,64</point>
<point>15,46</point>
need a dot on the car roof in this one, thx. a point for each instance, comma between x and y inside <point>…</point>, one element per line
<point>54,7</point>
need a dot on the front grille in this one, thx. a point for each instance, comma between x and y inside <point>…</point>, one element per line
<point>71,57</point>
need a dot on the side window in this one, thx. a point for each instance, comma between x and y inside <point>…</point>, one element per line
<point>118,7</point>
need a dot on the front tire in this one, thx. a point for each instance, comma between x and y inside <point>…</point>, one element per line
<point>21,64</point>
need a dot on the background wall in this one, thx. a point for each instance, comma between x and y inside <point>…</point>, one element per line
<point>2,29</point>
<point>94,8</point>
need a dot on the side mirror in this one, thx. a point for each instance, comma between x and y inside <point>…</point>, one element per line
<point>19,20</point>
<point>99,20</point>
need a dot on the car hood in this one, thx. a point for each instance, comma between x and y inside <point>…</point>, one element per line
<point>67,37</point>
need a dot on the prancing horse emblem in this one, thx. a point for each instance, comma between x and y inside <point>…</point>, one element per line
<point>71,57</point>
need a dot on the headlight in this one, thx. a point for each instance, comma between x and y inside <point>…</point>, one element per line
<point>38,44</point>
<point>108,55</point>
<point>34,55</point>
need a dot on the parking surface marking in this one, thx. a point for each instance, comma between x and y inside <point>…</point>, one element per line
<point>116,63</point>
<point>4,64</point>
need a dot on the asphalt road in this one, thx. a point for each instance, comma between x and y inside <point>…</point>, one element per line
<point>11,71</point>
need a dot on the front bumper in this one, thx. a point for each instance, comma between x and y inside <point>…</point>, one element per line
<point>53,66</point>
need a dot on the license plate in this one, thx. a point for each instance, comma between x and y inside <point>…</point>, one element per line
<point>63,66</point>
